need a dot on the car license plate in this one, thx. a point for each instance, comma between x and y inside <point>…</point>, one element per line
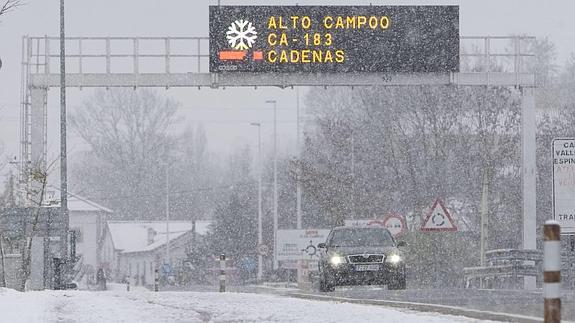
<point>366,267</point>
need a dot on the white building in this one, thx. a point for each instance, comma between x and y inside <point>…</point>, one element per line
<point>134,249</point>
<point>87,219</point>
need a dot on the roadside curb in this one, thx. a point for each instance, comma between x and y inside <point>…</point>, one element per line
<point>424,307</point>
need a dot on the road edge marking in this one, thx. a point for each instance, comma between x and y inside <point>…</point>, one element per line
<point>425,307</point>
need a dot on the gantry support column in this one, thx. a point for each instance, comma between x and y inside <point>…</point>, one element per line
<point>37,141</point>
<point>529,174</point>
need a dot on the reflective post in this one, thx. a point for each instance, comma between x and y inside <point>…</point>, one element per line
<point>552,271</point>
<point>156,285</point>
<point>222,273</point>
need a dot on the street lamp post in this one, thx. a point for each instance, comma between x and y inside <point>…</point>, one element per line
<point>168,215</point>
<point>260,258</point>
<point>63,155</point>
<point>275,262</point>
<point>298,172</point>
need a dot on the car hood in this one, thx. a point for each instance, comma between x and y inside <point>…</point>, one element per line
<point>363,250</point>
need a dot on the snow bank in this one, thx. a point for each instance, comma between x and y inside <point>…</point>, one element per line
<point>145,306</point>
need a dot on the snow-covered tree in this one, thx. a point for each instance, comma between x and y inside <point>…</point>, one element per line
<point>234,230</point>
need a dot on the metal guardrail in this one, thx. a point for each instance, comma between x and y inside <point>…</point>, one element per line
<point>504,267</point>
<point>514,263</point>
<point>501,271</point>
<point>505,255</point>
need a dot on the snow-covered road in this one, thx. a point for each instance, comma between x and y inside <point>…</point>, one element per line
<point>145,306</point>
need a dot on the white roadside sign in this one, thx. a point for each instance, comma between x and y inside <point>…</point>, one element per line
<point>564,183</point>
<point>299,244</point>
<point>394,223</point>
<point>364,223</point>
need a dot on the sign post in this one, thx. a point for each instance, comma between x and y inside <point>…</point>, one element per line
<point>564,184</point>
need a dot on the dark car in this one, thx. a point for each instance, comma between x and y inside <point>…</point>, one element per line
<point>361,256</point>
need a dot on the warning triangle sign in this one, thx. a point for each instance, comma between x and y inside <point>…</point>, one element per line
<point>438,219</point>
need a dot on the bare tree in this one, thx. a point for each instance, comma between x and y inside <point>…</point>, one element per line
<point>9,5</point>
<point>39,175</point>
<point>128,133</point>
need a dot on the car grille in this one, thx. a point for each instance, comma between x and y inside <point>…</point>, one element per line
<point>362,259</point>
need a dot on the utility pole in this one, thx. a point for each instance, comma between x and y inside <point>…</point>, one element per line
<point>298,183</point>
<point>298,171</point>
<point>63,155</point>
<point>484,215</point>
<point>352,177</point>
<point>260,240</point>
<point>275,261</point>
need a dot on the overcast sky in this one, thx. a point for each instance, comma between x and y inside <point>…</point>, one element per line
<point>226,114</point>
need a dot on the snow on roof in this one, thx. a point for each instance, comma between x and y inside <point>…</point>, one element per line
<point>203,226</point>
<point>78,203</point>
<point>132,236</point>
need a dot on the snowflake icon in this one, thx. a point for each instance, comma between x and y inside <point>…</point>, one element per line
<point>241,34</point>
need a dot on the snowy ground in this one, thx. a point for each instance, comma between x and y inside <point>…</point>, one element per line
<point>146,306</point>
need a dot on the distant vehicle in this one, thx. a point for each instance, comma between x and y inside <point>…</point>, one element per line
<point>361,256</point>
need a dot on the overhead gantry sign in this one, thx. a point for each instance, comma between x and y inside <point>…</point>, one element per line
<point>337,39</point>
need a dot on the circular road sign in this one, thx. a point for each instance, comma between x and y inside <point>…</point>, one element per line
<point>263,250</point>
<point>166,268</point>
<point>395,224</point>
<point>311,250</point>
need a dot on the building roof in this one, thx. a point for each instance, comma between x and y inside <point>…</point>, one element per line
<point>76,202</point>
<point>132,236</point>
<point>79,204</point>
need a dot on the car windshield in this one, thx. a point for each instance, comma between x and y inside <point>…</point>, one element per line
<point>361,237</point>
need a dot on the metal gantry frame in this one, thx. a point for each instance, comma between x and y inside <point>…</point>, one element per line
<point>184,62</point>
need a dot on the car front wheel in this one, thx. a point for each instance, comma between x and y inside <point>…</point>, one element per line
<point>397,282</point>
<point>325,285</point>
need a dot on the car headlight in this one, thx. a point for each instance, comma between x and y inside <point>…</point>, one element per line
<point>336,260</point>
<point>394,259</point>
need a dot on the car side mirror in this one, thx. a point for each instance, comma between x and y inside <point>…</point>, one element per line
<point>322,245</point>
<point>402,244</point>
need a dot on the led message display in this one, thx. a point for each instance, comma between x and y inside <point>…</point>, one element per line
<point>325,39</point>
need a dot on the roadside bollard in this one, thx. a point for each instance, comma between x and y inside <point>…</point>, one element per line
<point>156,284</point>
<point>552,271</point>
<point>222,273</point>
